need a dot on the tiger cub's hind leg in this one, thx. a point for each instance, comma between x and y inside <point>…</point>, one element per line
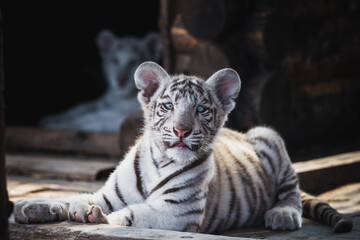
<point>287,210</point>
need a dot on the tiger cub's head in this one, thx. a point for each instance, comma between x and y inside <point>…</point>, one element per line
<point>184,113</point>
<point>121,55</point>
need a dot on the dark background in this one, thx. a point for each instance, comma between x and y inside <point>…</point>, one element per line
<point>299,62</point>
<point>304,80</point>
<point>50,56</point>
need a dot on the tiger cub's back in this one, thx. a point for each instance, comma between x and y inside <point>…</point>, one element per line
<point>244,187</point>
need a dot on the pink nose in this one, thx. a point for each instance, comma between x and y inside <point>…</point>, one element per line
<point>182,133</point>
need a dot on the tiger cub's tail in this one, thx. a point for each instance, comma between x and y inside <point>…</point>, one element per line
<point>322,212</point>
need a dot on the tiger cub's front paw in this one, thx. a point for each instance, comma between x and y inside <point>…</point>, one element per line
<point>97,216</point>
<point>123,217</point>
<point>283,218</point>
<point>85,213</point>
<point>39,210</point>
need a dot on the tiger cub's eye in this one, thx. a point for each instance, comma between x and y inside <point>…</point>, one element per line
<point>168,106</point>
<point>201,109</point>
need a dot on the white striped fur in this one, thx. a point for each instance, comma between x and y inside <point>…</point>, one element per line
<point>186,172</point>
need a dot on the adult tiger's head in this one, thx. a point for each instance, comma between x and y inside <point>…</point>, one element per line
<point>184,113</point>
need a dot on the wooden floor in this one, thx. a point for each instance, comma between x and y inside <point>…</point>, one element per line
<point>346,199</point>
<point>48,176</point>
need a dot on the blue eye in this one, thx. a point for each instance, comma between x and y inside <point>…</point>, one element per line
<point>201,109</point>
<point>168,106</point>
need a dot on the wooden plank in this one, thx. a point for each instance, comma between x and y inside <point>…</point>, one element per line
<point>36,139</point>
<point>342,199</point>
<point>58,167</point>
<point>346,198</point>
<point>21,187</point>
<point>73,230</point>
<point>329,171</point>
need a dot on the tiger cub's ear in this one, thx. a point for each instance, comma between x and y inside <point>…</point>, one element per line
<point>105,41</point>
<point>148,77</point>
<point>226,85</point>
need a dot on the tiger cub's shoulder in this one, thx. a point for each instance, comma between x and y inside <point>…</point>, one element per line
<point>230,136</point>
<point>230,142</point>
<point>261,133</point>
<point>233,143</point>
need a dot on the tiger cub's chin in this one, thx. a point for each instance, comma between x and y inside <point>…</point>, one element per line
<point>181,154</point>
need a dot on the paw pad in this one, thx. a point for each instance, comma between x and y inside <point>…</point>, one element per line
<point>97,215</point>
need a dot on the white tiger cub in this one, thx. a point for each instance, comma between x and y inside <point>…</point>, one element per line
<point>188,173</point>
<point>120,58</point>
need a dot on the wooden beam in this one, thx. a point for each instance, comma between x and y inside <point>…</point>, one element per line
<point>59,167</point>
<point>62,141</point>
<point>4,203</point>
<point>164,25</point>
<point>329,171</point>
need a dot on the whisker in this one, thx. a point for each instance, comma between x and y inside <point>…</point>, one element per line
<point>170,139</point>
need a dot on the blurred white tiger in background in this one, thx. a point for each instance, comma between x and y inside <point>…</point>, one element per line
<point>120,58</point>
<point>188,173</point>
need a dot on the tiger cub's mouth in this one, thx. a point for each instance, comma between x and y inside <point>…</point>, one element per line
<point>180,144</point>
